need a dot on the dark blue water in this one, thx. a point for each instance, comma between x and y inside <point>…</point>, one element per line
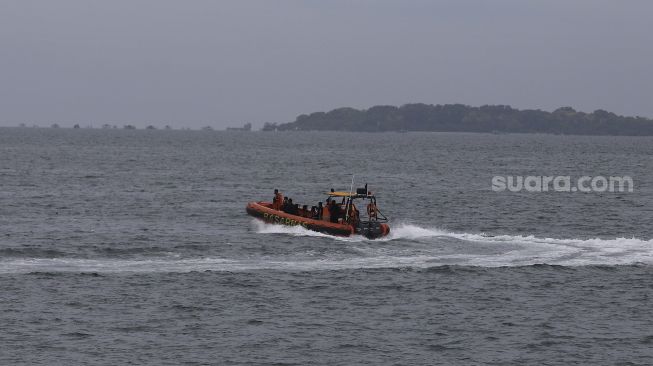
<point>121,247</point>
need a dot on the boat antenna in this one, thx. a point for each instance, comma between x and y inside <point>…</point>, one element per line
<point>351,191</point>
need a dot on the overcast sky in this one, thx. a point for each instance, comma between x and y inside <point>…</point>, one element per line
<point>224,63</point>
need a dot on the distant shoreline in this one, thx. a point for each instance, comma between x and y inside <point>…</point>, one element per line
<point>447,118</point>
<point>335,132</point>
<point>498,119</point>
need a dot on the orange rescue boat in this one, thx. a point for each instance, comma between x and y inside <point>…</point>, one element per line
<point>339,219</point>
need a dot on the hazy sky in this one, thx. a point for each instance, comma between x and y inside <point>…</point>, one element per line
<point>223,63</point>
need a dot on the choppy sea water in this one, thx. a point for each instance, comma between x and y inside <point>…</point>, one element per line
<point>124,247</point>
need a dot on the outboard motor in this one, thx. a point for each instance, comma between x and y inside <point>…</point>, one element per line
<point>369,229</point>
<point>372,229</point>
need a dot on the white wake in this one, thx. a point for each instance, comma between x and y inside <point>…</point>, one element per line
<point>407,246</point>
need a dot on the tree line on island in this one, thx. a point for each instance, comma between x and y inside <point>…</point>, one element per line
<point>464,118</point>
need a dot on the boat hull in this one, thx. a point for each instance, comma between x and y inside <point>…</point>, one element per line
<point>265,212</point>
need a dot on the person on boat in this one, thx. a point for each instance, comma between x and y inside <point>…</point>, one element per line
<point>313,213</point>
<point>320,211</point>
<point>295,209</point>
<point>354,215</point>
<point>289,207</point>
<point>305,212</point>
<point>326,210</point>
<point>372,210</point>
<point>334,211</point>
<point>284,204</point>
<point>277,201</point>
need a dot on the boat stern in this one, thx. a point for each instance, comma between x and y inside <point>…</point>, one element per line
<point>373,229</point>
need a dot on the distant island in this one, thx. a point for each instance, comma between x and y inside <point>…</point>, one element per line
<point>464,118</point>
